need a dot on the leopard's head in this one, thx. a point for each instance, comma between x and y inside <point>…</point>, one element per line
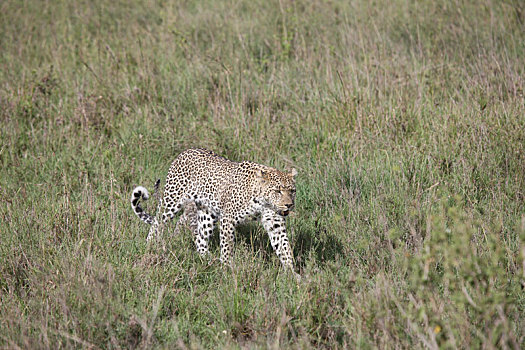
<point>277,189</point>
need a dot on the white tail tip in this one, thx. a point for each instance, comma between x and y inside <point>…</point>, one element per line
<point>139,192</point>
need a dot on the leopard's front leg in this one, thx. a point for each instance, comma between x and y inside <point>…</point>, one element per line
<point>275,225</point>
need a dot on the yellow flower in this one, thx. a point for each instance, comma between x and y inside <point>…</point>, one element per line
<point>437,329</point>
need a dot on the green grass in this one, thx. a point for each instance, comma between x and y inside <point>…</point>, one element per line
<point>406,121</point>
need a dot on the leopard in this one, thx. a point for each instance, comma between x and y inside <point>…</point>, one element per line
<point>209,189</point>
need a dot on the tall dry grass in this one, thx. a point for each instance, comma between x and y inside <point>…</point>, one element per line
<point>405,120</point>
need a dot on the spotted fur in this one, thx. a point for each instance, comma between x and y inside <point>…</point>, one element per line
<point>213,189</point>
<point>188,219</point>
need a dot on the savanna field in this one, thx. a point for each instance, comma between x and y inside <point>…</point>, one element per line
<point>404,119</point>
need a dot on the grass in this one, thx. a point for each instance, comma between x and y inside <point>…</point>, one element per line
<point>404,119</point>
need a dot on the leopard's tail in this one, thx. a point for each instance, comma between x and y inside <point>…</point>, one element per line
<point>142,192</point>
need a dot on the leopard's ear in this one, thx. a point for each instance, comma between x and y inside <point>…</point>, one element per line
<point>261,174</point>
<point>293,172</point>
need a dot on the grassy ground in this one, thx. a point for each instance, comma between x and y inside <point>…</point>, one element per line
<point>406,123</point>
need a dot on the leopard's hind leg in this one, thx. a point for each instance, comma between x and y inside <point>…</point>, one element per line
<point>206,220</point>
